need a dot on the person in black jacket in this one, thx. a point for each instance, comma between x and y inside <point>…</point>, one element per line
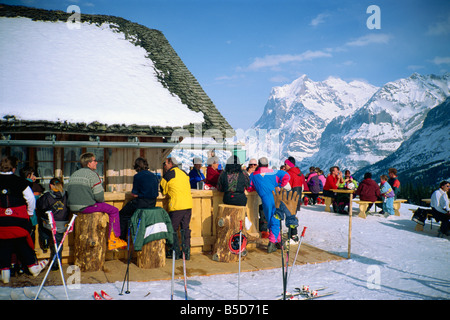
<point>54,200</point>
<point>145,192</point>
<point>232,182</point>
<point>17,204</point>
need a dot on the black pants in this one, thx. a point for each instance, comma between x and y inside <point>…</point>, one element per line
<point>444,218</point>
<point>128,210</point>
<point>299,190</point>
<point>45,234</point>
<point>20,247</point>
<point>181,219</point>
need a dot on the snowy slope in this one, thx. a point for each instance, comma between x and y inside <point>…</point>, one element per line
<point>390,261</point>
<point>425,156</point>
<point>51,72</point>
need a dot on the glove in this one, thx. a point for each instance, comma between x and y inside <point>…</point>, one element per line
<point>290,200</point>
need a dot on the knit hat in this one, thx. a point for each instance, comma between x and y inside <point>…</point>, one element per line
<point>289,163</point>
<point>197,160</point>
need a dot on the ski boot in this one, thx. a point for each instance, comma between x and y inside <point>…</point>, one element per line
<point>271,247</point>
<point>115,242</point>
<point>175,247</point>
<point>35,269</point>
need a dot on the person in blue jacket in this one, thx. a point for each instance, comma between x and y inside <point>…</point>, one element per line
<point>264,180</point>
<point>196,175</point>
<point>145,191</point>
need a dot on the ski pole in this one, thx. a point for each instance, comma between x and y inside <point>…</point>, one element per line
<point>69,229</point>
<point>53,226</point>
<point>298,249</point>
<point>127,273</point>
<point>128,259</point>
<point>185,281</point>
<point>173,272</point>
<point>282,263</point>
<point>240,250</point>
<point>287,258</point>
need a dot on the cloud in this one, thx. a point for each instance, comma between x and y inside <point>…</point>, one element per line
<point>319,19</point>
<point>415,67</point>
<point>441,60</point>
<point>271,61</point>
<point>440,28</point>
<point>369,39</point>
<point>279,78</point>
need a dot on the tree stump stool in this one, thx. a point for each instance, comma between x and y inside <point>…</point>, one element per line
<point>228,223</point>
<point>152,255</point>
<point>90,240</point>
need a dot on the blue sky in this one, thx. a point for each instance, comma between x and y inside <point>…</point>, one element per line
<point>239,49</point>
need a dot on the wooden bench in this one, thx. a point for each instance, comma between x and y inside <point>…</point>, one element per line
<point>419,227</point>
<point>363,205</point>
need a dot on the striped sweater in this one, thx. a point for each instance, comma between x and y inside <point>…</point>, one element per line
<point>84,189</point>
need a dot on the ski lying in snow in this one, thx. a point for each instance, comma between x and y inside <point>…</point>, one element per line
<point>102,296</point>
<point>306,292</point>
<point>319,296</point>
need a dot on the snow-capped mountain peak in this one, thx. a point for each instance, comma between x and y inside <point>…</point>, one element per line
<point>350,124</point>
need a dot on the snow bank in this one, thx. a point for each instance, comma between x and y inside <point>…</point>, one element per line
<point>51,72</point>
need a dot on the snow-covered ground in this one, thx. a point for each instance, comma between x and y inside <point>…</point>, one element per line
<point>389,261</point>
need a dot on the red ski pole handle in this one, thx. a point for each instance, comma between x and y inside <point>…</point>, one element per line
<point>303,233</point>
<point>240,225</point>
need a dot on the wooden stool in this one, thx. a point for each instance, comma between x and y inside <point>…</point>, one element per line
<point>90,240</point>
<point>152,255</point>
<point>228,223</point>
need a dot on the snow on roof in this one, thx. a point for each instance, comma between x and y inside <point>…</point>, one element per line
<point>50,72</point>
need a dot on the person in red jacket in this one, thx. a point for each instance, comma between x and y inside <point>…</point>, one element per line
<point>212,173</point>
<point>297,179</point>
<point>332,182</point>
<point>368,189</point>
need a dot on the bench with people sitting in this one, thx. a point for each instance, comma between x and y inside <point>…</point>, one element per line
<point>364,206</point>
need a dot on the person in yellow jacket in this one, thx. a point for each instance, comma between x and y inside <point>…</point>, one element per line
<point>175,184</point>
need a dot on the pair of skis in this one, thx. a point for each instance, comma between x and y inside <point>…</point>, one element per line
<point>305,293</point>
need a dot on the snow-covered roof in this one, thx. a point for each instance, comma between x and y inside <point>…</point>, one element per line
<point>95,74</point>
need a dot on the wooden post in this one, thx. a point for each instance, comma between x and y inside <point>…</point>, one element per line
<point>90,240</point>
<point>152,255</point>
<point>350,212</point>
<point>227,222</point>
